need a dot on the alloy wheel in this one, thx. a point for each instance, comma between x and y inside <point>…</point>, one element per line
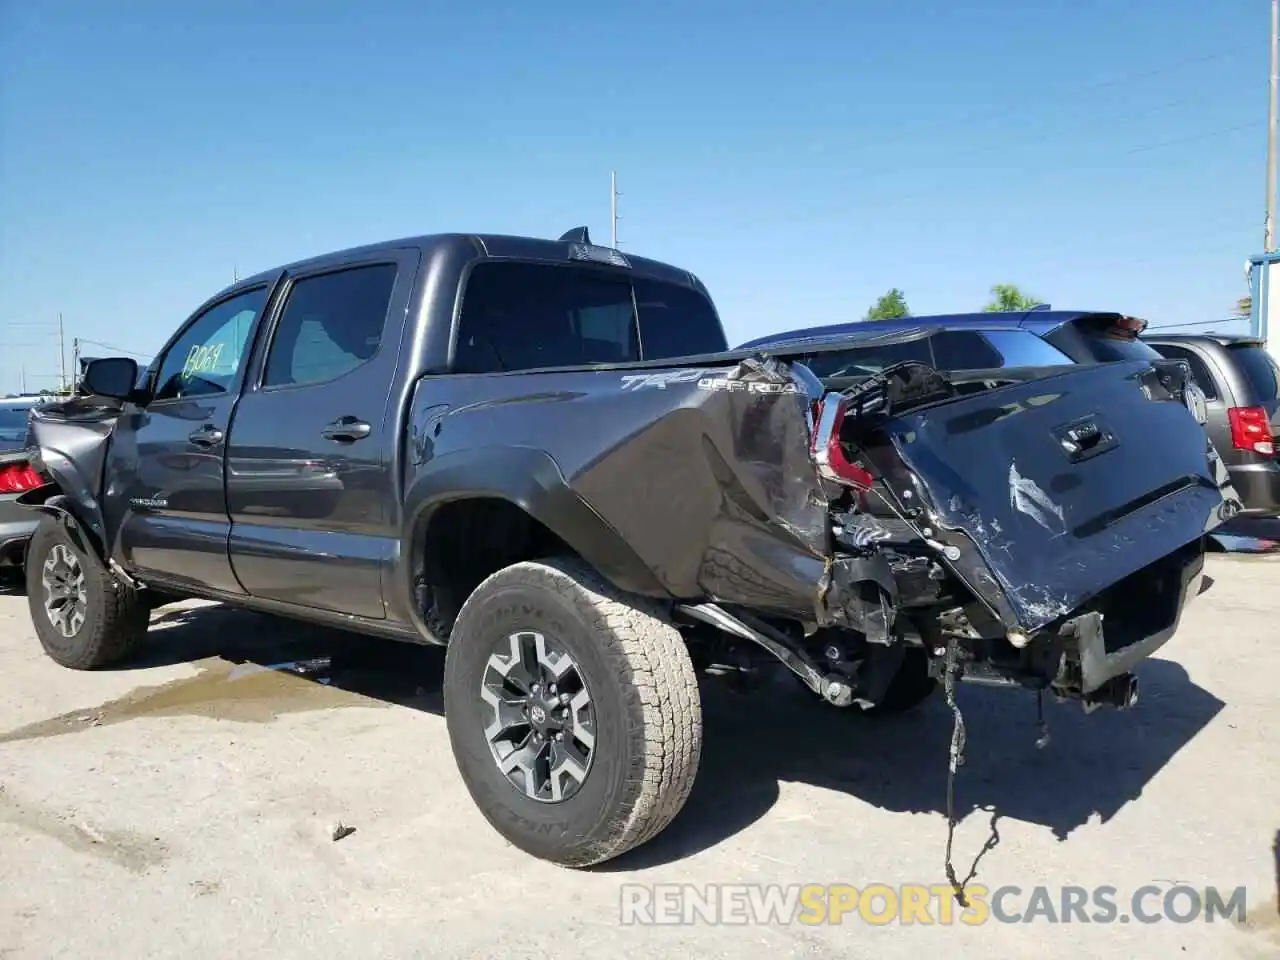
<point>542,725</point>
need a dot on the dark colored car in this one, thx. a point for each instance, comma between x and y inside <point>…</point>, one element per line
<point>16,477</point>
<point>539,454</point>
<point>1241,386</point>
<point>975,341</point>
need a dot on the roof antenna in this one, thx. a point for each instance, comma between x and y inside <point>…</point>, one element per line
<point>576,235</point>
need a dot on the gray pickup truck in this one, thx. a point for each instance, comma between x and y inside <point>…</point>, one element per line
<point>540,453</point>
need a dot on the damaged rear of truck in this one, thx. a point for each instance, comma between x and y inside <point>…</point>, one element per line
<point>1040,529</point>
<point>1047,525</point>
<point>583,538</point>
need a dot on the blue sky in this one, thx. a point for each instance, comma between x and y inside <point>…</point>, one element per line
<point>801,158</point>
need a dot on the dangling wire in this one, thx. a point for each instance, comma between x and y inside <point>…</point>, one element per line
<point>956,760</point>
<point>958,742</point>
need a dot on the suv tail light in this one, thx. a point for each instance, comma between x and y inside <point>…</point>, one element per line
<point>19,478</point>
<point>1251,430</point>
<point>826,450</point>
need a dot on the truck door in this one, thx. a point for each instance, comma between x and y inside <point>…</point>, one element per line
<point>312,450</point>
<point>164,502</point>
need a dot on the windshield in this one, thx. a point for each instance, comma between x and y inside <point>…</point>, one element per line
<point>1259,369</point>
<point>13,423</point>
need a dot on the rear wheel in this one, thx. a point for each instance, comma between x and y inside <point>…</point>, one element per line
<point>84,617</point>
<point>573,712</point>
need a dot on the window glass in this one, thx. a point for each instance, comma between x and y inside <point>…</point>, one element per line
<point>676,321</point>
<point>1259,369</point>
<point>964,350</point>
<point>331,324</point>
<point>1199,371</point>
<point>519,316</point>
<point>13,422</point>
<point>1021,348</point>
<point>866,361</point>
<point>205,359</point>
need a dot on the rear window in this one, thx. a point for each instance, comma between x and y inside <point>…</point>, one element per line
<point>866,361</point>
<point>13,423</point>
<point>948,350</point>
<point>1099,341</point>
<point>1199,370</point>
<point>1259,369</point>
<point>521,316</point>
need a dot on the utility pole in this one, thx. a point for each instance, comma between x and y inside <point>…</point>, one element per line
<point>75,361</point>
<point>613,204</point>
<point>62,357</point>
<point>1269,240</point>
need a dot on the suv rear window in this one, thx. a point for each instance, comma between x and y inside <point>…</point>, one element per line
<point>1099,340</point>
<point>1259,369</point>
<point>13,423</point>
<point>1199,371</point>
<point>947,350</point>
<point>521,316</point>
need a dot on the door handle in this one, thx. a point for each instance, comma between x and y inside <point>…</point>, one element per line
<point>206,436</point>
<point>346,429</point>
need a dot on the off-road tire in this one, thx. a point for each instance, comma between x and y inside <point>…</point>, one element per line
<point>644,691</point>
<point>115,616</point>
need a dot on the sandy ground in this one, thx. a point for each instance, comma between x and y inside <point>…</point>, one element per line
<point>185,807</point>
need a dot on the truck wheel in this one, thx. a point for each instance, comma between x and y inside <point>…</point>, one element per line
<point>573,712</point>
<point>84,617</point>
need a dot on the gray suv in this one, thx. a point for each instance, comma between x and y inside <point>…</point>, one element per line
<point>1241,384</point>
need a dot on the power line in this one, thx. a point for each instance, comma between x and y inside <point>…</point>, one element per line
<point>119,350</point>
<point>1208,135</point>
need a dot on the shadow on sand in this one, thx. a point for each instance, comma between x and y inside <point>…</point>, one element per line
<point>774,731</point>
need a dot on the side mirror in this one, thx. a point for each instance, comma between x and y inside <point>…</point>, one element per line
<point>114,377</point>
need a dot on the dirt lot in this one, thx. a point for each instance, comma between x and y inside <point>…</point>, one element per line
<point>186,806</point>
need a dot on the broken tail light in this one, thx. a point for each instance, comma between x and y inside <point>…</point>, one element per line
<point>19,478</point>
<point>828,454</point>
<point>1251,430</point>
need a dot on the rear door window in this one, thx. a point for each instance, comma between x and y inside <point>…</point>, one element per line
<point>1199,369</point>
<point>522,316</point>
<point>963,350</point>
<point>1259,369</point>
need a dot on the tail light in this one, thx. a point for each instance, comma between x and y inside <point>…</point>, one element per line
<point>1251,430</point>
<point>826,450</point>
<point>19,478</point>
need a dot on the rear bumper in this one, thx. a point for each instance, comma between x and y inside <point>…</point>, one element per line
<point>1258,485</point>
<point>1097,658</point>
<point>17,524</point>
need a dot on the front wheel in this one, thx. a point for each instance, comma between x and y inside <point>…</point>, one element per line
<point>84,617</point>
<point>573,712</point>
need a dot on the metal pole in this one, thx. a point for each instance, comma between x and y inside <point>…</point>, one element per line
<point>1269,241</point>
<point>613,203</point>
<point>75,362</point>
<point>62,357</point>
